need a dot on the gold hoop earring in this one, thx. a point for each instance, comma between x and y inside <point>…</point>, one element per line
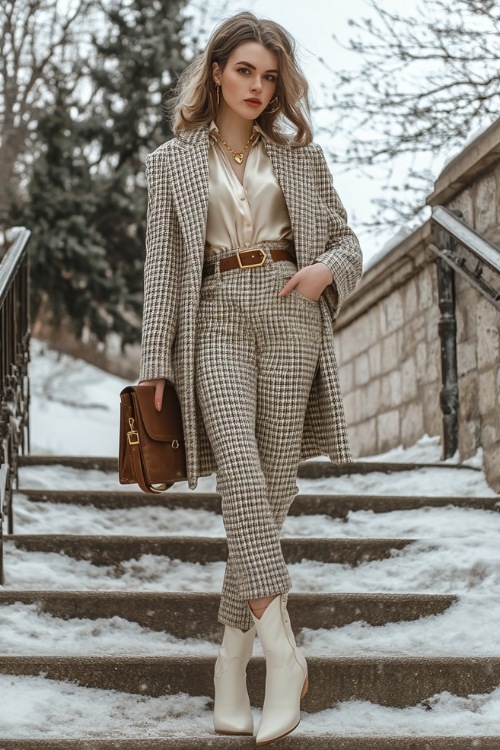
<point>270,111</point>
<point>217,89</point>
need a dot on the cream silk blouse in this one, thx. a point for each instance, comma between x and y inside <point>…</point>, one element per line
<point>241,215</point>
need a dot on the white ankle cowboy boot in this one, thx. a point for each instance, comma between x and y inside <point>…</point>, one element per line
<point>232,714</point>
<point>286,673</point>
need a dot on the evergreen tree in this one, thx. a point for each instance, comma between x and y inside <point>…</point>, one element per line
<point>137,61</point>
<point>71,274</point>
<point>87,197</point>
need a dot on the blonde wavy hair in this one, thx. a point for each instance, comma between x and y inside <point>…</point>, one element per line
<point>194,100</point>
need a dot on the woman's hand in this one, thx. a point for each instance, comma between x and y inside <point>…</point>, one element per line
<point>159,385</point>
<point>309,281</point>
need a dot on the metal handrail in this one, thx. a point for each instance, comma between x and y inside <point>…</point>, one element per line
<point>459,248</point>
<point>468,253</point>
<point>14,384</point>
<point>12,261</point>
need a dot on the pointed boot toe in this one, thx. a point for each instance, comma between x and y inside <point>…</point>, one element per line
<point>286,673</point>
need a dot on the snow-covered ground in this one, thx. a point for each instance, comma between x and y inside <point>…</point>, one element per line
<point>457,552</point>
<point>91,713</point>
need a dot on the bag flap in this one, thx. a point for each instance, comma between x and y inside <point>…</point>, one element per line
<point>164,425</point>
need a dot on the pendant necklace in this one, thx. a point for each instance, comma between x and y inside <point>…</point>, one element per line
<point>237,155</point>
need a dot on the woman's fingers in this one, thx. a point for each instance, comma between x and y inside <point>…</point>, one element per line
<point>160,387</point>
<point>287,287</point>
<point>311,279</point>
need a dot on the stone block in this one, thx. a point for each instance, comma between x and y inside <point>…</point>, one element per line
<point>390,353</point>
<point>469,435</point>
<point>432,370</point>
<point>394,311</point>
<point>351,407</point>
<point>427,287</point>
<point>464,203</point>
<point>421,361</point>
<point>485,203</point>
<point>466,301</point>
<point>412,423</point>
<point>413,332</point>
<point>361,369</point>
<point>432,315</point>
<point>354,339</point>
<point>490,430</point>
<point>388,430</point>
<point>346,377</point>
<point>493,234</point>
<point>408,380</point>
<point>491,464</point>
<point>390,390</point>
<point>468,397</point>
<point>370,399</point>
<point>488,335</point>
<point>487,391</point>
<point>375,359</point>
<point>433,417</point>
<point>410,301</point>
<point>382,319</point>
<point>466,358</point>
<point>363,438</point>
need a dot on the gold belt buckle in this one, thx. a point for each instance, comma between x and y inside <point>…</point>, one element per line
<point>251,250</point>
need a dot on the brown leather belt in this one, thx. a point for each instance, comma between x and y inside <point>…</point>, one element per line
<point>251,258</point>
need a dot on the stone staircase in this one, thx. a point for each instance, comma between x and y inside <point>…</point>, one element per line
<point>393,681</point>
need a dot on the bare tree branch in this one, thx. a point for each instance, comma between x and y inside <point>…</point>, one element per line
<point>41,43</point>
<point>426,80</point>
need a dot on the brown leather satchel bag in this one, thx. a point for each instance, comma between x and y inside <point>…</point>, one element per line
<point>152,448</point>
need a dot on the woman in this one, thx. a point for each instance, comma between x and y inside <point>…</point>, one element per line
<point>248,259</point>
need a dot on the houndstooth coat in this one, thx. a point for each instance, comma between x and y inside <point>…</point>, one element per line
<point>177,174</point>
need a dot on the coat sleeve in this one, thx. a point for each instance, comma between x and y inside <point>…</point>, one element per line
<point>343,252</point>
<point>161,274</point>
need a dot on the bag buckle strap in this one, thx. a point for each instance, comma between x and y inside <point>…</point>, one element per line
<point>251,250</point>
<point>132,435</point>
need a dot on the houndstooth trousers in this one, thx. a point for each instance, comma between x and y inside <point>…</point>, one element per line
<point>256,356</point>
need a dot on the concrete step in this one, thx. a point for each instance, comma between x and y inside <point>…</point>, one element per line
<point>336,506</point>
<point>194,615</point>
<point>294,741</point>
<point>307,469</point>
<point>388,681</point>
<point>112,550</point>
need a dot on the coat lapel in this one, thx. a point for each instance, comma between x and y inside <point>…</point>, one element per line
<point>295,179</point>
<point>189,161</point>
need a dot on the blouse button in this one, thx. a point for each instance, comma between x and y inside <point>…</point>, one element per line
<point>242,197</point>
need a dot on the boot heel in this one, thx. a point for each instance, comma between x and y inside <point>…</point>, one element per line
<point>305,687</point>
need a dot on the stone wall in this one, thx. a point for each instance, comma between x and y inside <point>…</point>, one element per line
<point>387,339</point>
<point>389,358</point>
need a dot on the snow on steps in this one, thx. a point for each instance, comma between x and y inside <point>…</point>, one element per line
<point>155,610</point>
<point>335,506</point>
<point>385,680</point>
<point>397,681</point>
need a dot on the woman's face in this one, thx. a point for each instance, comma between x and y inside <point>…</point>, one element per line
<point>248,81</point>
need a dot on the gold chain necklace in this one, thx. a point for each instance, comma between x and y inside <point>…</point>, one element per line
<point>237,155</point>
